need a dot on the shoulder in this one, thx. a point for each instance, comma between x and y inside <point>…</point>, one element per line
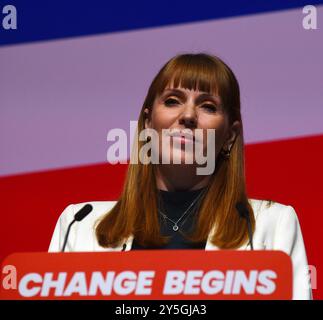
<point>82,234</point>
<point>99,208</point>
<point>265,206</point>
<point>275,222</point>
<point>272,210</point>
<point>272,213</point>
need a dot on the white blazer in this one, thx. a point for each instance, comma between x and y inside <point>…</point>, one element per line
<point>277,228</point>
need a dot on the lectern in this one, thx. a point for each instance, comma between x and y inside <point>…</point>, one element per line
<point>147,275</point>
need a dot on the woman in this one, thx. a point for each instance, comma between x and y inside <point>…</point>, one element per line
<point>171,206</point>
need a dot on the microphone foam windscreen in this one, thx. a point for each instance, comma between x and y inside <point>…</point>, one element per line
<point>82,213</point>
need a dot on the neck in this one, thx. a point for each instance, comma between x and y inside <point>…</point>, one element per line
<point>179,178</point>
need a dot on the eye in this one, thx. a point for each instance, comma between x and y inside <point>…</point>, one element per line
<point>209,107</point>
<point>171,101</point>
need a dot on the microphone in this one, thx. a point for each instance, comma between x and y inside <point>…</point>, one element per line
<point>79,216</point>
<point>244,213</point>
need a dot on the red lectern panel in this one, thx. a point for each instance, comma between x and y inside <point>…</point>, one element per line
<point>148,274</point>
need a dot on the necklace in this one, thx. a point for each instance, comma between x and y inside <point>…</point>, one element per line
<point>175,223</point>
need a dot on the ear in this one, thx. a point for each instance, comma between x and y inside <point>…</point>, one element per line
<point>234,131</point>
<point>147,118</point>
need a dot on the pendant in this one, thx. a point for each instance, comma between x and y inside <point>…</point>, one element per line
<point>175,227</point>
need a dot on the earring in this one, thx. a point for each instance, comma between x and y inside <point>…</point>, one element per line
<point>225,153</point>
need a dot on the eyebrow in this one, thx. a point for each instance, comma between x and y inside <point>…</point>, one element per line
<point>200,98</point>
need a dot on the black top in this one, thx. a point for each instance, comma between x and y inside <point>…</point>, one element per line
<point>173,204</point>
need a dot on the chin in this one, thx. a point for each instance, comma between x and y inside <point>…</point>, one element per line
<point>179,157</point>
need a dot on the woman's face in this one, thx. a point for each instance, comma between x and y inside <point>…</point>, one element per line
<point>178,109</point>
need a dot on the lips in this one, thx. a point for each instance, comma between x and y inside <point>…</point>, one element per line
<point>184,136</point>
<point>184,139</point>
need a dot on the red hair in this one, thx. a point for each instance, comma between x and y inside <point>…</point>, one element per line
<point>136,213</point>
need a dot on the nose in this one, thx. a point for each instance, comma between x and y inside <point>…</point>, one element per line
<point>188,117</point>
